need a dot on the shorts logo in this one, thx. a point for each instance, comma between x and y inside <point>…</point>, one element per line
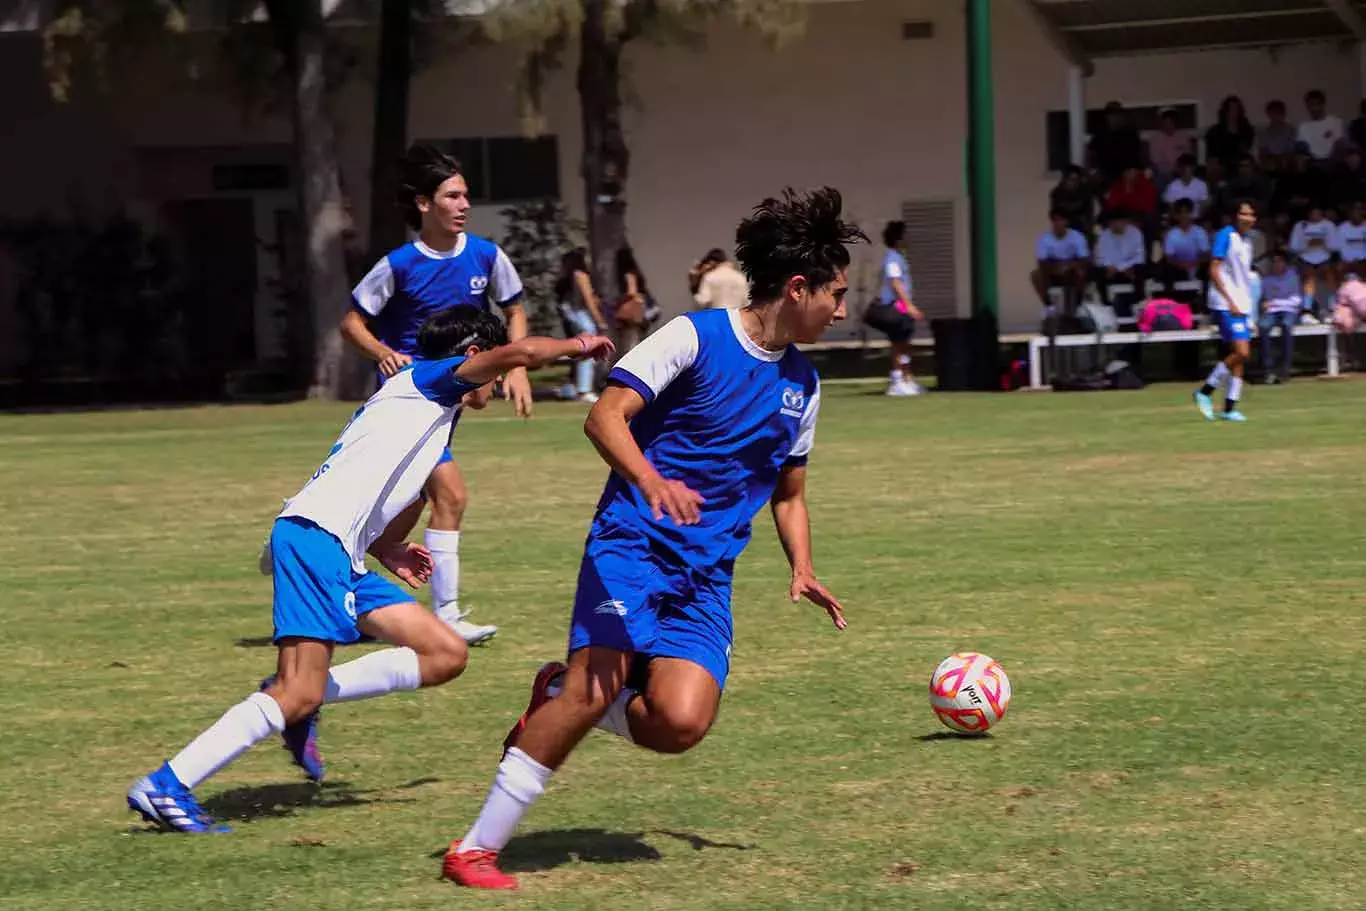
<point>349,604</point>
<point>479,284</point>
<point>793,402</point>
<point>615,608</point>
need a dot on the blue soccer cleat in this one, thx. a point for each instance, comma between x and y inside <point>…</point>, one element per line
<point>301,739</point>
<point>161,799</point>
<point>1203,402</point>
<point>1235,416</point>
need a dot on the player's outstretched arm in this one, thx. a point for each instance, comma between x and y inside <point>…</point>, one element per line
<point>609,427</point>
<point>794,531</point>
<point>531,352</point>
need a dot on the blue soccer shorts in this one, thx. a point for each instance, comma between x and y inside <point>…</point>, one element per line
<point>318,594</point>
<point>634,598</point>
<point>446,453</point>
<point>1234,327</point>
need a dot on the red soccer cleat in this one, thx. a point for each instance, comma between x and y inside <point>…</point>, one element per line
<point>476,869</point>
<point>539,697</point>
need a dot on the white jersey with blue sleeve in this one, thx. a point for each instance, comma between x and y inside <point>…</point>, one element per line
<point>722,415</point>
<point>1233,252</point>
<point>383,457</point>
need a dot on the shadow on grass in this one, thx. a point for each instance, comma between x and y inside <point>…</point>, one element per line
<point>949,735</point>
<point>557,847</point>
<point>255,642</point>
<point>274,801</point>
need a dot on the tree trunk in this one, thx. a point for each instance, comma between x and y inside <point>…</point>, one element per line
<point>301,37</point>
<point>390,137</point>
<point>606,158</point>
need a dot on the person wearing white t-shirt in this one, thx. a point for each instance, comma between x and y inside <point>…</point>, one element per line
<point>1322,131</point>
<point>1230,297</point>
<point>1187,186</point>
<point>1314,242</point>
<point>1351,242</point>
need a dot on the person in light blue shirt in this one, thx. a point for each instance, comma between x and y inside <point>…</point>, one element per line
<point>1283,295</point>
<point>1061,257</point>
<point>1231,300</point>
<point>1186,247</point>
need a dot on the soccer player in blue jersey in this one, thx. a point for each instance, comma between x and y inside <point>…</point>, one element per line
<point>323,594</point>
<point>702,424</point>
<point>445,266</point>
<point>1230,299</point>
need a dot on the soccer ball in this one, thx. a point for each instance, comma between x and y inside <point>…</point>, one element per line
<point>969,692</point>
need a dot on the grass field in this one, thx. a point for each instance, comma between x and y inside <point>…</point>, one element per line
<point>1179,605</point>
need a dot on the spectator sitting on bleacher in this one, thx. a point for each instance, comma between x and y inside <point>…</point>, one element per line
<point>1247,183</point>
<point>1302,186</point>
<point>1187,186</point>
<point>1074,199</point>
<point>1062,254</point>
<point>1321,132</point>
<point>1232,135</point>
<point>1356,130</point>
<point>1283,297</point>
<point>1351,241</point>
<point>1276,139</point>
<point>1186,248</point>
<point>1314,241</point>
<point>1165,148</point>
<point>1120,255</point>
<point>1348,184</point>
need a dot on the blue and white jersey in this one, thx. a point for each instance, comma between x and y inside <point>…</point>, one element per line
<point>415,281</point>
<point>1054,249</point>
<point>894,266</point>
<point>383,457</point>
<point>723,416</point>
<point>1234,252</point>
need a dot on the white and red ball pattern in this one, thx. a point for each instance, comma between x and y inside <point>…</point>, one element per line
<point>969,692</point>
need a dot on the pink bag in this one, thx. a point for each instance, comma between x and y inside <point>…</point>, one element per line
<point>1162,314</point>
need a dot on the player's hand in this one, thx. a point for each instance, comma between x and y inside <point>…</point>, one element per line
<point>805,585</point>
<point>412,563</point>
<point>675,499</point>
<point>517,389</point>
<point>598,347</point>
<point>914,312</point>
<point>393,362</point>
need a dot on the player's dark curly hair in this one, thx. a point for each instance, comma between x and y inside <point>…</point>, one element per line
<point>798,234</point>
<point>450,332</point>
<point>423,169</point>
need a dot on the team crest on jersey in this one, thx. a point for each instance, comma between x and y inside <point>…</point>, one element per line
<point>793,402</point>
<point>479,284</point>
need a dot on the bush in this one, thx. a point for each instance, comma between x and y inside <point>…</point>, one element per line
<point>537,235</point>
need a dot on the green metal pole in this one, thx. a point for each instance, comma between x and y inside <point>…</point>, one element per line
<point>981,158</point>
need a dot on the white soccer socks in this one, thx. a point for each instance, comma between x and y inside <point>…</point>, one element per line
<point>518,784</point>
<point>241,727</point>
<point>373,675</point>
<point>445,548</point>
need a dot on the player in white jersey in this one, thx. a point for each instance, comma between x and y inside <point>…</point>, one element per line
<point>323,594</point>
<point>1230,299</point>
<point>703,424</point>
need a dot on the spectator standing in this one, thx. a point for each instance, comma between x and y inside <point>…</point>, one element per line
<point>581,312</point>
<point>1117,147</point>
<point>1074,199</point>
<point>1276,139</point>
<point>1166,148</point>
<point>1061,256</point>
<point>1232,135</point>
<point>633,307</point>
<point>1188,187</point>
<point>1120,254</point>
<point>1135,195</point>
<point>895,313</point>
<point>1321,132</point>
<point>716,283</point>
<point>1283,297</point>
